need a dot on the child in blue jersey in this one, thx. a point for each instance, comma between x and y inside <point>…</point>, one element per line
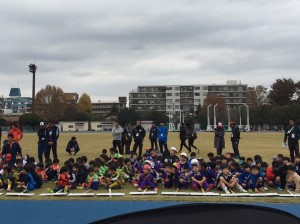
<point>198,180</point>
<point>244,176</point>
<point>26,182</point>
<point>255,182</point>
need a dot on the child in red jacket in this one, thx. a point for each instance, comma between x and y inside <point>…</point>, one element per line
<point>63,181</point>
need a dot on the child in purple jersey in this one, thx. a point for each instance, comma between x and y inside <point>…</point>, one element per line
<point>184,164</point>
<point>146,179</point>
<point>180,179</point>
<point>167,176</point>
<point>209,174</point>
<point>198,180</point>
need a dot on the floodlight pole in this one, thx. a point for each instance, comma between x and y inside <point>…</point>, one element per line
<point>228,109</point>
<point>32,69</point>
<point>240,127</point>
<point>215,118</point>
<point>248,123</point>
<point>208,119</point>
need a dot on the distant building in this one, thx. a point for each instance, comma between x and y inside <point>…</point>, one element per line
<point>185,98</point>
<point>105,108</point>
<point>15,104</point>
<point>71,98</point>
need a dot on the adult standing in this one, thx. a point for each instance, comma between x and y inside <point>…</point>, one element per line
<point>138,134</point>
<point>17,133</point>
<point>52,135</point>
<point>163,139</point>
<point>192,136</point>
<point>235,139</point>
<point>127,138</point>
<point>292,135</point>
<point>117,136</point>
<point>11,149</point>
<point>153,134</point>
<point>219,140</point>
<point>0,134</point>
<point>42,143</point>
<point>183,137</point>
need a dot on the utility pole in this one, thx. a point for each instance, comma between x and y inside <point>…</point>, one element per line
<point>215,116</point>
<point>32,69</point>
<point>208,119</point>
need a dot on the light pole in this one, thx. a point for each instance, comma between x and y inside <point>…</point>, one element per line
<point>208,120</point>
<point>215,118</point>
<point>228,113</point>
<point>32,69</point>
<point>240,127</point>
<point>248,125</point>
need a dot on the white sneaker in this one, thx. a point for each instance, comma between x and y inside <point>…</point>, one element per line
<point>243,190</point>
<point>266,189</point>
<point>227,191</point>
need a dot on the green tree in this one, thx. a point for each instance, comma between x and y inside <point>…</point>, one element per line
<point>128,115</point>
<point>282,92</point>
<point>50,103</point>
<point>114,111</point>
<point>85,103</point>
<point>29,119</point>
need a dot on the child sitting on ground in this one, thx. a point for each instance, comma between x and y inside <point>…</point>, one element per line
<point>62,183</point>
<point>92,180</point>
<point>26,181</point>
<point>226,182</point>
<point>255,181</point>
<point>112,178</point>
<point>180,179</point>
<point>292,179</point>
<point>6,179</point>
<point>41,171</point>
<point>198,180</point>
<point>128,169</point>
<point>146,179</point>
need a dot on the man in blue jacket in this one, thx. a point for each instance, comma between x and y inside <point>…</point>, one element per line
<point>51,135</point>
<point>163,139</point>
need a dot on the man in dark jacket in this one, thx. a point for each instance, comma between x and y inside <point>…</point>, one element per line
<point>11,148</point>
<point>292,135</point>
<point>42,143</point>
<point>183,137</point>
<point>138,134</point>
<point>153,136</point>
<point>127,138</point>
<point>52,135</point>
<point>235,139</point>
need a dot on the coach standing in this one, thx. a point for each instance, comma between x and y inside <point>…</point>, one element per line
<point>138,134</point>
<point>292,135</point>
<point>235,139</point>
<point>42,143</point>
<point>52,135</point>
<point>117,136</point>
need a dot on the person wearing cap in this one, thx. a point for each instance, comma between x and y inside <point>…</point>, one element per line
<point>219,140</point>
<point>163,138</point>
<point>173,158</point>
<point>153,134</point>
<point>11,148</point>
<point>235,139</point>
<point>183,137</point>
<point>292,135</point>
<point>52,135</point>
<point>184,164</point>
<point>138,134</point>
<point>146,179</point>
<point>18,135</point>
<point>198,179</point>
<point>42,143</point>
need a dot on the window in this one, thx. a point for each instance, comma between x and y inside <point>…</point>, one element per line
<point>169,88</point>
<point>169,94</point>
<point>177,88</point>
<point>177,94</point>
<point>205,88</point>
<point>70,126</point>
<point>197,87</point>
<point>197,94</point>
<point>99,126</point>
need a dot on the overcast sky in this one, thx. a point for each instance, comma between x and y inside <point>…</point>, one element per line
<point>106,48</point>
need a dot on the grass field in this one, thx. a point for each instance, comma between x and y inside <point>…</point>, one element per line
<point>91,144</point>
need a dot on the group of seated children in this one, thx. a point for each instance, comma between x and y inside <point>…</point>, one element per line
<point>152,170</point>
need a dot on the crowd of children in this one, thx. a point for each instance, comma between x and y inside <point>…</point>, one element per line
<point>152,171</point>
